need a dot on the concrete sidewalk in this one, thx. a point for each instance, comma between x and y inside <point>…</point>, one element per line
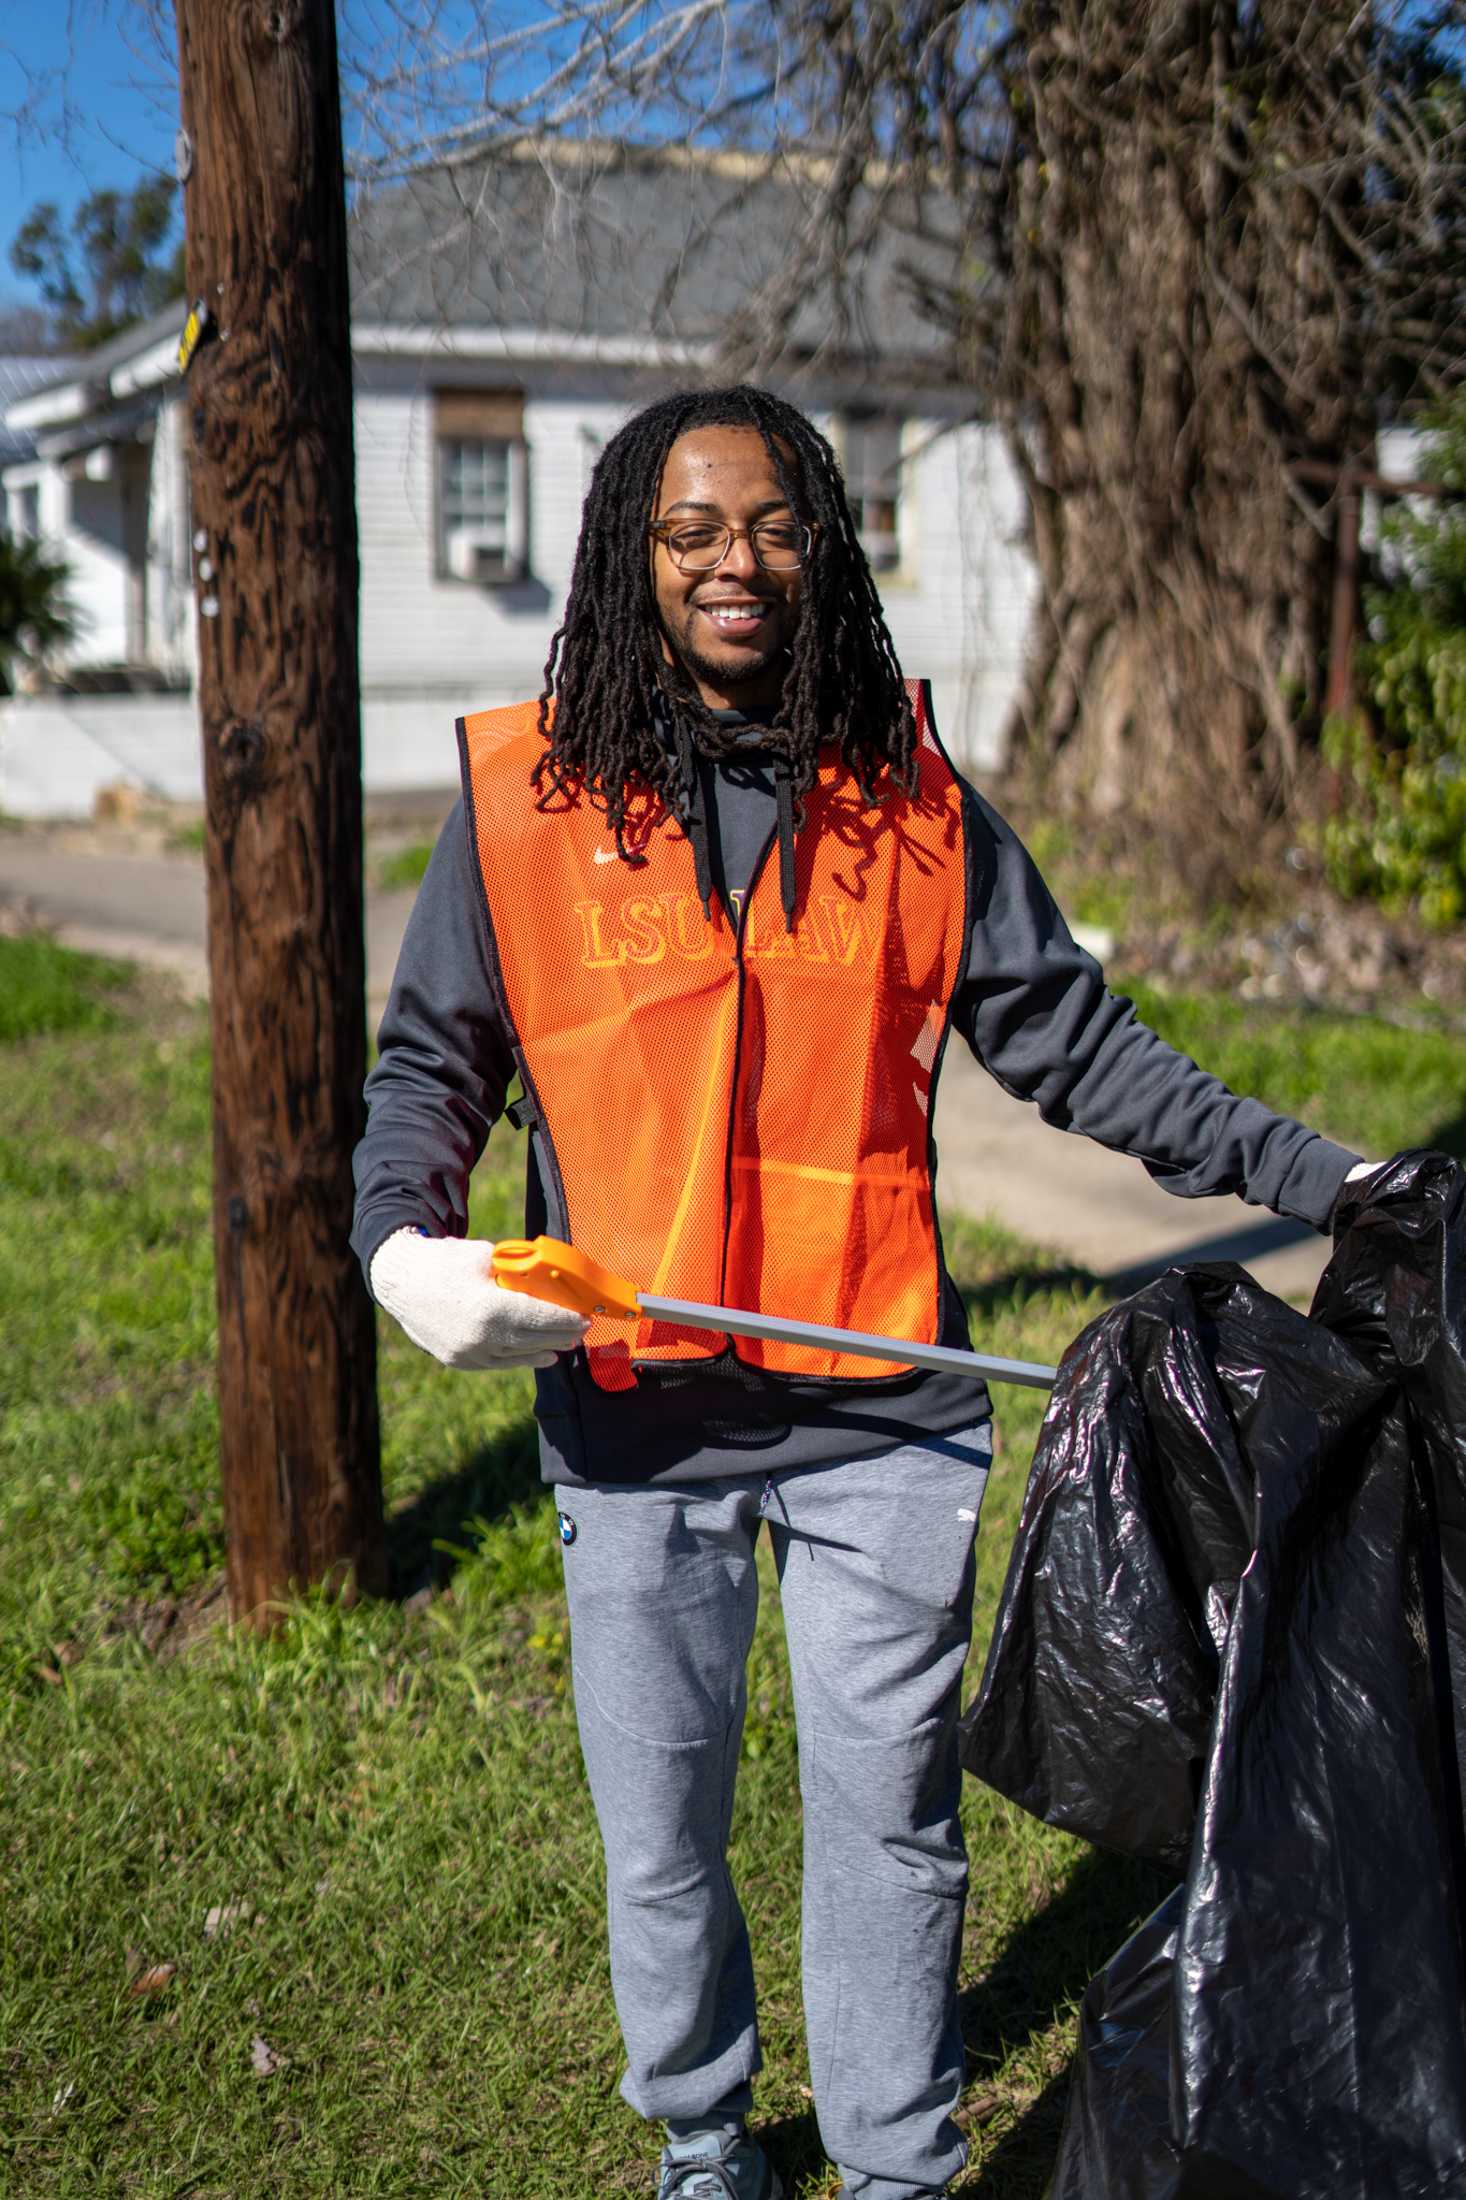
<point>1074,1199</point>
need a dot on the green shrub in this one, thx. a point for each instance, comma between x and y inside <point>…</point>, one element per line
<point>1400,836</point>
<point>35,614</point>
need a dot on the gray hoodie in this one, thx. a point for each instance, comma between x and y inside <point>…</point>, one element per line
<point>1031,1004</point>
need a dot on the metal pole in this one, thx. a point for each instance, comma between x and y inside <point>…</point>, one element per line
<point>733,1322</point>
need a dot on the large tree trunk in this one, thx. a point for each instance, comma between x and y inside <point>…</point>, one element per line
<point>1176,335</point>
<point>276,581</point>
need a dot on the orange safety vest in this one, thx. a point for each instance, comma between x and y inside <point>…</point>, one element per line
<point>735,1114</point>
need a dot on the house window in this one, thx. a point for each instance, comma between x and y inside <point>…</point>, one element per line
<point>870,449</point>
<point>482,502</point>
<point>25,513</point>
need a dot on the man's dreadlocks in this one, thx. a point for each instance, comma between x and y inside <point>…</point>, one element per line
<point>617,699</point>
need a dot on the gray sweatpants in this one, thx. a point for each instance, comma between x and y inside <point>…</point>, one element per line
<point>875,1569</point>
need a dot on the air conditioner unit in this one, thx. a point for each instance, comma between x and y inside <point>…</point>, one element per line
<point>97,464</point>
<point>478,554</point>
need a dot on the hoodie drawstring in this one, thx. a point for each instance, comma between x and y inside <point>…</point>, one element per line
<point>784,792</point>
<point>695,822</point>
<point>694,815</point>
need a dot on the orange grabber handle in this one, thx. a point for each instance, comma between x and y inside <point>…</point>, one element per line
<point>544,1268</point>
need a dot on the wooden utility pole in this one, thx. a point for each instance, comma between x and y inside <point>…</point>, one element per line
<point>268,402</point>
<point>1349,482</point>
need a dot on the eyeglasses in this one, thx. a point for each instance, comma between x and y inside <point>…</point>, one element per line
<point>700,546</point>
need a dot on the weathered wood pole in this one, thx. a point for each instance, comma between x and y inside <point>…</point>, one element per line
<point>268,401</point>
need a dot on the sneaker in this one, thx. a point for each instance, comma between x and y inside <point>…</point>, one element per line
<point>717,2167</point>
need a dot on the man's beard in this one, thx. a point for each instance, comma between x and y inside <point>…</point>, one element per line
<point>694,666</point>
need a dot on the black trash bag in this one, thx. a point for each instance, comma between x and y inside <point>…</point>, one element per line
<point>1395,1290</point>
<point>1224,1641</point>
<point>1098,1698</point>
<point>1117,2127</point>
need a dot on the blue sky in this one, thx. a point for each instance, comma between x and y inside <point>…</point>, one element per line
<point>88,98</point>
<point>87,102</point>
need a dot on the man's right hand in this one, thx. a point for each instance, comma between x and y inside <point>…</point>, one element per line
<point>442,1292</point>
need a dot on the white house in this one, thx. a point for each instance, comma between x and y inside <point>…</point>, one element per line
<point>500,335</point>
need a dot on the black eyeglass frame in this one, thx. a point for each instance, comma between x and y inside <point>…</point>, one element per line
<point>662,531</point>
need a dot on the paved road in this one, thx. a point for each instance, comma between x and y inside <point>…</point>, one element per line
<point>1064,1193</point>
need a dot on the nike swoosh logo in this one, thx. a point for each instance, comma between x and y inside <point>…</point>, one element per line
<point>606,855</point>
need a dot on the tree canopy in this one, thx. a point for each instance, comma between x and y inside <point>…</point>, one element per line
<point>113,264</point>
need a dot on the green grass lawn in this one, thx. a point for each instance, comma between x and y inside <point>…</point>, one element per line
<point>403,867</point>
<point>1373,1085</point>
<point>322,1915</point>
<point>44,987</point>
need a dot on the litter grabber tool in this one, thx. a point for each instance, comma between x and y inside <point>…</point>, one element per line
<point>544,1268</point>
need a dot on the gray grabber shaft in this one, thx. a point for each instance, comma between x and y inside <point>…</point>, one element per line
<point>776,1330</point>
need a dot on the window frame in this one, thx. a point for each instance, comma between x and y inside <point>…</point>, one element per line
<point>488,420</point>
<point>26,490</point>
<point>894,563</point>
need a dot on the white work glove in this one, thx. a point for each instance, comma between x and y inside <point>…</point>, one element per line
<point>1357,1174</point>
<point>442,1292</point>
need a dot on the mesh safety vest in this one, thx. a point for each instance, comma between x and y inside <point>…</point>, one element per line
<point>732,1113</point>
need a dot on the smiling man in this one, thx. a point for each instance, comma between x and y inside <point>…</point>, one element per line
<point>718,898</point>
<point>729,618</point>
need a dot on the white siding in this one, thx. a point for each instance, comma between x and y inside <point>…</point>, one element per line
<point>55,509</point>
<point>958,605</point>
<point>432,649</point>
<point>171,637</point>
<point>1401,452</point>
<point>96,551</point>
<point>462,645</point>
<point>958,608</point>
